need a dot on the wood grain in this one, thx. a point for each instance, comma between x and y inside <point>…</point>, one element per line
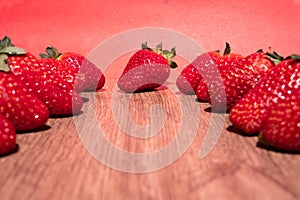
<point>54,163</point>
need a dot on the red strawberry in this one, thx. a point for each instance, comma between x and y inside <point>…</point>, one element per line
<point>279,86</point>
<point>147,69</point>
<point>67,75</point>
<point>202,92</point>
<point>242,76</point>
<point>42,80</point>
<point>84,68</point>
<point>211,88</point>
<point>191,75</point>
<point>94,78</point>
<point>256,65</point>
<point>19,105</point>
<point>213,82</point>
<point>60,102</point>
<point>7,136</point>
<point>282,127</point>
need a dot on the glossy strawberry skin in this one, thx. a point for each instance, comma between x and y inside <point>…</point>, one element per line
<point>65,75</point>
<point>276,87</point>
<point>7,136</point>
<point>145,70</point>
<point>255,65</point>
<point>282,127</point>
<point>22,107</point>
<point>241,75</point>
<point>60,102</point>
<point>217,87</point>
<point>191,75</point>
<point>94,78</point>
<point>202,92</point>
<point>49,86</point>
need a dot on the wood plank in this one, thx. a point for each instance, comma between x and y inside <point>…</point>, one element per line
<point>54,163</point>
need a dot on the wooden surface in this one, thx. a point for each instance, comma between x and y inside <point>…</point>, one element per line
<point>54,164</point>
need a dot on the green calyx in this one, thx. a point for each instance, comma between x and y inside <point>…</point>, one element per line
<point>227,49</point>
<point>5,42</point>
<point>7,48</point>
<point>4,63</point>
<point>51,52</point>
<point>275,57</point>
<point>294,57</point>
<point>169,55</point>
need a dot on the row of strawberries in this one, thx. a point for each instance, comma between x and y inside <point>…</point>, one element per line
<point>260,91</point>
<point>33,89</point>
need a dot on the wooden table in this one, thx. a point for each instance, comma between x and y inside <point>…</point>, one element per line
<point>53,163</point>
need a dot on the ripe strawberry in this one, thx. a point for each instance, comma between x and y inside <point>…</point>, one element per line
<point>211,87</point>
<point>85,70</point>
<point>202,92</point>
<point>66,75</point>
<point>242,76</point>
<point>7,136</point>
<point>19,105</point>
<point>279,86</point>
<point>191,75</point>
<point>256,65</point>
<point>147,69</point>
<point>42,80</point>
<point>282,127</point>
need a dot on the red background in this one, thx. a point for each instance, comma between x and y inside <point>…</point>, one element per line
<point>72,25</point>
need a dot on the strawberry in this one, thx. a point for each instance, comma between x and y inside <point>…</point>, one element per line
<point>211,86</point>
<point>60,102</point>
<point>147,69</point>
<point>7,136</point>
<point>202,91</point>
<point>67,73</point>
<point>49,86</point>
<point>240,76</point>
<point>88,75</point>
<point>191,75</point>
<point>282,127</point>
<point>278,89</point>
<point>23,108</point>
<point>257,64</point>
